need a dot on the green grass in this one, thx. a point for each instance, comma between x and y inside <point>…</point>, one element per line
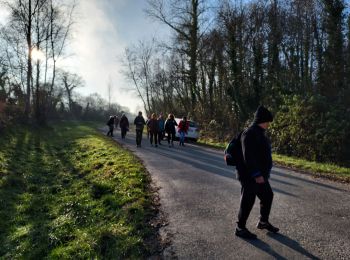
<point>68,192</point>
<point>330,171</point>
<point>317,169</point>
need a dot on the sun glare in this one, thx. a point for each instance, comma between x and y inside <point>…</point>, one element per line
<point>37,55</point>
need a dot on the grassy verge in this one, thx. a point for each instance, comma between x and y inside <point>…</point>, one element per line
<point>329,171</point>
<point>68,192</point>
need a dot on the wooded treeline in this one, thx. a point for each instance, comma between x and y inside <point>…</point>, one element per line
<point>32,87</point>
<point>293,56</point>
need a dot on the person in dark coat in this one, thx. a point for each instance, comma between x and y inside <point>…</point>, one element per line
<point>139,123</point>
<point>170,129</point>
<point>110,124</point>
<point>124,125</point>
<point>254,174</point>
<point>153,129</point>
<point>160,128</point>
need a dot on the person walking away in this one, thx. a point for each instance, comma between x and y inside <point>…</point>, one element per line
<point>182,129</point>
<point>254,173</point>
<point>160,129</point>
<point>110,124</point>
<point>124,125</point>
<point>139,122</point>
<point>170,129</point>
<point>153,129</point>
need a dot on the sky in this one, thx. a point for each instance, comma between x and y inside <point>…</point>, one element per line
<point>103,29</point>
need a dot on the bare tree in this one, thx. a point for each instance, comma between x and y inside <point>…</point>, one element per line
<point>34,26</point>
<point>138,61</point>
<point>70,82</point>
<point>184,18</point>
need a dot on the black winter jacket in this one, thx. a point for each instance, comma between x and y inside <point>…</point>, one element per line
<point>170,126</point>
<point>139,122</point>
<point>256,148</point>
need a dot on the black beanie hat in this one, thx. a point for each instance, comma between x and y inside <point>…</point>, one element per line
<point>262,115</point>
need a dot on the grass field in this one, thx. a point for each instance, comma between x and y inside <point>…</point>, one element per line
<point>68,192</point>
<point>316,169</point>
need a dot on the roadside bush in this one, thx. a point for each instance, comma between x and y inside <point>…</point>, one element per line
<point>312,128</point>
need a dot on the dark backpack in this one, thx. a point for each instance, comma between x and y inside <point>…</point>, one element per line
<point>233,152</point>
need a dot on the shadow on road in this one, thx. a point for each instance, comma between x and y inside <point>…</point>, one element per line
<point>294,245</point>
<point>198,157</point>
<point>307,181</point>
<point>261,245</point>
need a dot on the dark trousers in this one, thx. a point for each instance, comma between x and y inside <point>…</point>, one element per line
<point>138,136</point>
<point>123,132</point>
<point>160,136</point>
<point>171,136</point>
<point>249,190</point>
<point>111,128</point>
<point>153,134</point>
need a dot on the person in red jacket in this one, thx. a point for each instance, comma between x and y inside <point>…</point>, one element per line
<point>182,129</point>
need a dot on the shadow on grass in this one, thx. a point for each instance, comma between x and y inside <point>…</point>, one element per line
<point>27,195</point>
<point>12,187</point>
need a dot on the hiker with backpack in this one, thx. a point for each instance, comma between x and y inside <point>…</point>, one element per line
<point>253,164</point>
<point>139,123</point>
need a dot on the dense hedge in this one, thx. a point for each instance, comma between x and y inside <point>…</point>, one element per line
<point>312,128</point>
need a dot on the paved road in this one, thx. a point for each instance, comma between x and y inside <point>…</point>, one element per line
<point>200,197</point>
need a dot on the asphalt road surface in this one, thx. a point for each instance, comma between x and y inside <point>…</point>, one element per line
<point>200,196</point>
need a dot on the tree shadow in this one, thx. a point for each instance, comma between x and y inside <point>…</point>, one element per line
<point>291,176</point>
<point>27,196</point>
<point>202,163</point>
<point>12,187</point>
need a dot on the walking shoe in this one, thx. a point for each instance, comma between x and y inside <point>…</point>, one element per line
<point>244,233</point>
<point>267,226</point>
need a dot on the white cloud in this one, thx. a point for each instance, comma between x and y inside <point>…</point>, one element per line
<point>102,32</point>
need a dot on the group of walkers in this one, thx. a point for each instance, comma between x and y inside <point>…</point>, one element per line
<point>157,127</point>
<point>253,169</point>
<point>114,122</point>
